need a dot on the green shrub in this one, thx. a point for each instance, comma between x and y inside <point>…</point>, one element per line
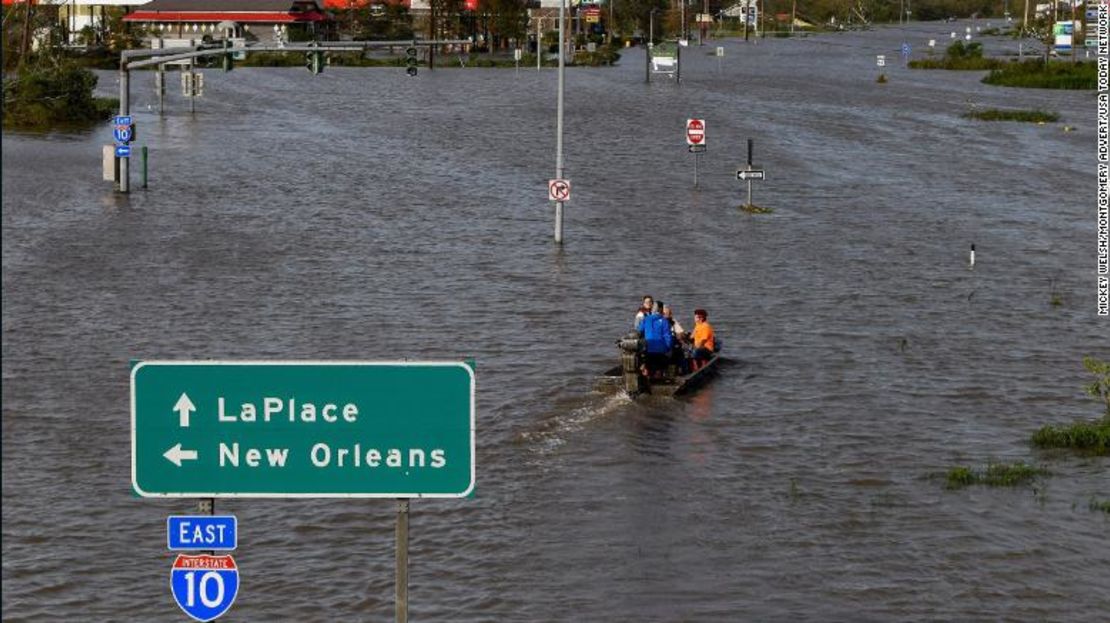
<point>52,96</point>
<point>1036,74</point>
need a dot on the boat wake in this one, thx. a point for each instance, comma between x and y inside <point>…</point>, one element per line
<point>556,429</point>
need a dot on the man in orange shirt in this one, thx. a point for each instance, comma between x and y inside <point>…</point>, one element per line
<point>704,343</point>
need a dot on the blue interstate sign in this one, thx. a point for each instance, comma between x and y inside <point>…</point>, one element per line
<point>123,120</point>
<point>198,532</point>
<point>204,586</point>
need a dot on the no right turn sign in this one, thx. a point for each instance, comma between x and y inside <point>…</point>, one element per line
<point>558,190</point>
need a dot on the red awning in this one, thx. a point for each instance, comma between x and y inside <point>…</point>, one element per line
<point>268,17</point>
<point>345,4</point>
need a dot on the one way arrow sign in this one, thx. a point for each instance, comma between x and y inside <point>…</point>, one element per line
<point>176,455</point>
<point>749,174</point>
<point>184,407</point>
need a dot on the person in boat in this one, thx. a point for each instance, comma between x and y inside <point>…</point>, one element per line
<point>704,342</point>
<point>678,352</point>
<point>658,340</point>
<point>646,307</point>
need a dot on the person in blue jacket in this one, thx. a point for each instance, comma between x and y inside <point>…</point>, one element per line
<point>658,339</point>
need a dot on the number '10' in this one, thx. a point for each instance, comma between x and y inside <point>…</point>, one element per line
<point>192,589</point>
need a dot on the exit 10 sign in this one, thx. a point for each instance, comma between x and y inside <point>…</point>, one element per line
<point>302,429</point>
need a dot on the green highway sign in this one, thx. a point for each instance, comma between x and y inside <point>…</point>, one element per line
<point>302,429</point>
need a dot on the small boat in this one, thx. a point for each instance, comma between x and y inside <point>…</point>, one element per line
<point>669,383</point>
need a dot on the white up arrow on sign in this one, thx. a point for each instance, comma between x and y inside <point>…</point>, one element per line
<point>183,407</point>
<point>175,455</point>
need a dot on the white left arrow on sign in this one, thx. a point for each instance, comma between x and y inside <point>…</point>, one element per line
<point>184,407</point>
<point>176,455</point>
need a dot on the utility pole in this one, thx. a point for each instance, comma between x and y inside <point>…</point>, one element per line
<point>793,15</point>
<point>704,27</point>
<point>1073,29</point>
<point>682,31</point>
<point>26,43</point>
<point>609,26</point>
<point>1025,21</point>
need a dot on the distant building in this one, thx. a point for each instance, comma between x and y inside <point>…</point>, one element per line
<point>263,20</point>
<point>78,16</point>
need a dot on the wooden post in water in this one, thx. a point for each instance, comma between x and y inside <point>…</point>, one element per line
<point>402,594</point>
<point>144,166</point>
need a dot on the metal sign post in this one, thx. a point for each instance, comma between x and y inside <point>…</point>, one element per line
<point>402,551</point>
<point>750,173</point>
<point>559,120</point>
<point>695,139</point>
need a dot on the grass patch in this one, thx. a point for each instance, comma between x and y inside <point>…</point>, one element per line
<point>1100,505</point>
<point>1036,74</point>
<point>1028,116</point>
<point>751,208</point>
<point>881,79</point>
<point>1086,437</point>
<point>995,475</point>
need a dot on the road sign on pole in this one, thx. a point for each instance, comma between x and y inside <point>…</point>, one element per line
<point>204,586</point>
<point>201,532</point>
<point>123,151</point>
<point>695,131</point>
<point>558,190</point>
<point>880,60</point>
<point>749,174</point>
<point>302,429</point>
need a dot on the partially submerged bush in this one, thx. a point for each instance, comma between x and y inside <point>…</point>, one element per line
<point>995,475</point>
<point>1036,74</point>
<point>959,56</point>
<point>997,114</point>
<point>53,96</point>
<point>1086,437</point>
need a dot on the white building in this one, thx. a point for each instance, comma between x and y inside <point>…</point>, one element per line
<point>76,15</point>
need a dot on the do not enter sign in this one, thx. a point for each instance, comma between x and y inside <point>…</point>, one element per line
<point>695,131</point>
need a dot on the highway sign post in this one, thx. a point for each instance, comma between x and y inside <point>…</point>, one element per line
<point>302,429</point>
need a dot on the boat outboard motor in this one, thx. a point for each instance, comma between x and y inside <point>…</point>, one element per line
<point>632,347</point>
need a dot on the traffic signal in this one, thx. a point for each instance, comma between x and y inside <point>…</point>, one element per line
<point>314,61</point>
<point>410,60</point>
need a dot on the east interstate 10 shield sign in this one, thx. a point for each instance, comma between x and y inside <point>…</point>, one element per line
<point>204,586</point>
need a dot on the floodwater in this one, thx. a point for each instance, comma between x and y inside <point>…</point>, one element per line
<point>360,214</point>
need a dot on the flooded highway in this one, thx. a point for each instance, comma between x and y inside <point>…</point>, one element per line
<point>364,215</point>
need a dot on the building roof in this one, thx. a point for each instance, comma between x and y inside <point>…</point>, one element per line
<point>242,11</point>
<point>232,6</point>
